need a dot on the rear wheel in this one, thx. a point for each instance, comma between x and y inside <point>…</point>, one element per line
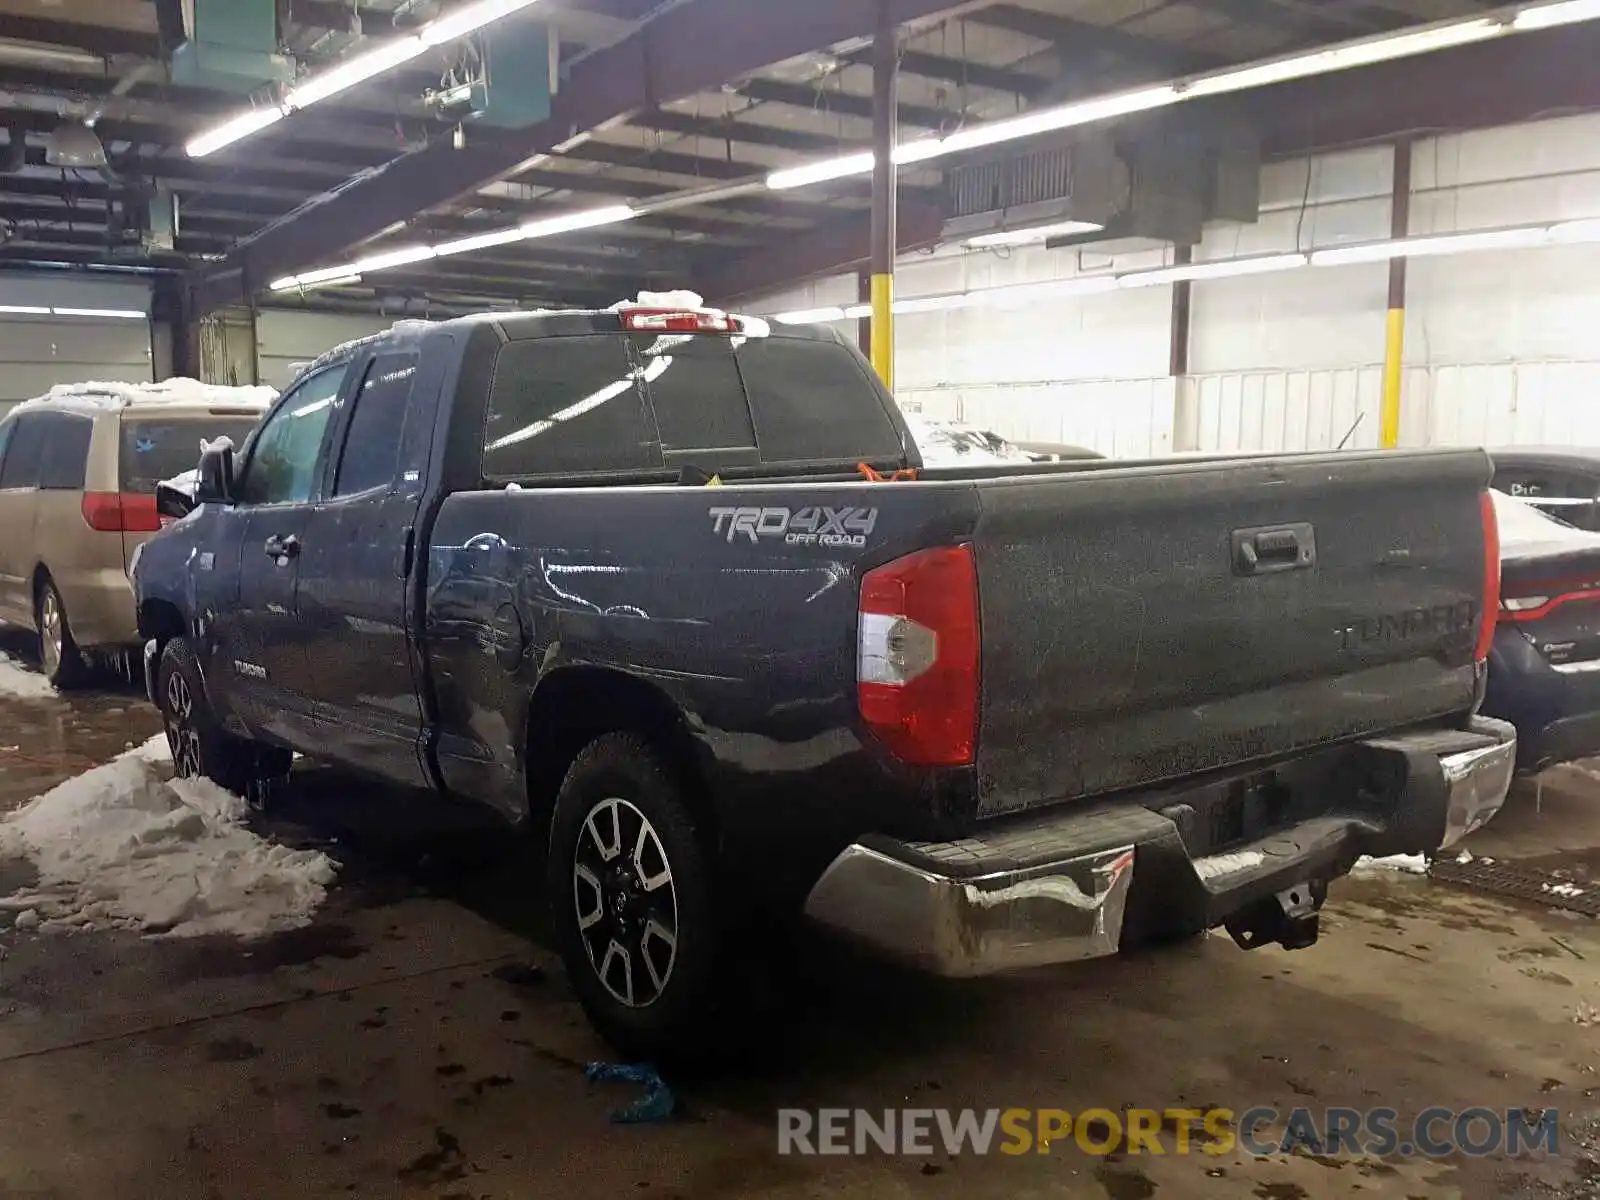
<point>631,900</point>
<point>200,746</point>
<point>63,662</point>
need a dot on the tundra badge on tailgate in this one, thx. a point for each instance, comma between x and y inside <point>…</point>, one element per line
<point>816,526</point>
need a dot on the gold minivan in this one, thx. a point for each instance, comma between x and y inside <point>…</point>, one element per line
<point>78,475</point>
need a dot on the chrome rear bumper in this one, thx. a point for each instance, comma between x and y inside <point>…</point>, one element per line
<point>1057,888</point>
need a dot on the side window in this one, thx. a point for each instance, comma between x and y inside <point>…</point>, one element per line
<point>566,406</point>
<point>5,440</point>
<point>285,451</point>
<point>23,455</point>
<point>371,454</point>
<point>66,451</point>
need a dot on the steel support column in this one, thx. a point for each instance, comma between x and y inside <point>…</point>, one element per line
<point>885,72</point>
<point>1395,325</point>
<point>1178,335</point>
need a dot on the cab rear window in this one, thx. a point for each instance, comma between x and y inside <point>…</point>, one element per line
<point>153,450</point>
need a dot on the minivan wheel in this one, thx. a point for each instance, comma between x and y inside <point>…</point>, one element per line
<point>59,655</point>
<point>630,894</point>
<point>200,746</point>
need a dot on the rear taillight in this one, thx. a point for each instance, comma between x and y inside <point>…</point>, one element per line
<point>917,656</point>
<point>120,512</point>
<point>1543,597</point>
<point>1491,576</point>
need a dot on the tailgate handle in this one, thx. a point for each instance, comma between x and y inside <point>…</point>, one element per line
<point>1275,548</point>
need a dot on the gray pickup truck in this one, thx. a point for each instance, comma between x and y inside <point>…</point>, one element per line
<point>677,587</point>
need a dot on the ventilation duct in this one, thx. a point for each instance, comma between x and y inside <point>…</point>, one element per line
<point>230,45</point>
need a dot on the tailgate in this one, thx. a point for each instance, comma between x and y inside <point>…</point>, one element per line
<point>1146,624</point>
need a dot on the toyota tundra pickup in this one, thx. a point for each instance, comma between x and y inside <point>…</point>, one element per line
<point>677,587</point>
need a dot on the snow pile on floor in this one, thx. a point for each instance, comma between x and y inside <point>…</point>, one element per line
<point>126,846</point>
<point>1407,864</point>
<point>18,682</point>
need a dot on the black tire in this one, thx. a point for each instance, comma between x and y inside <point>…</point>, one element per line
<point>639,818</point>
<point>199,745</point>
<point>59,657</point>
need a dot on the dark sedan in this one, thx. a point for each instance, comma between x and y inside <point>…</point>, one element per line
<point>1544,667</point>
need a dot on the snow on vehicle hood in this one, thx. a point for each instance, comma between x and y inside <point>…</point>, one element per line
<point>952,444</point>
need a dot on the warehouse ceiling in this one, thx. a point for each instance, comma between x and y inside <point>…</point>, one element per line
<point>376,165</point>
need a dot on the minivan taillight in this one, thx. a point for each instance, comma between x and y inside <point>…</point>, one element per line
<point>917,655</point>
<point>1491,576</point>
<point>121,512</point>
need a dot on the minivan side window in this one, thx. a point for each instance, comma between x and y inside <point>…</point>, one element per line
<point>371,454</point>
<point>286,449</point>
<point>24,453</point>
<point>66,451</point>
<point>566,405</point>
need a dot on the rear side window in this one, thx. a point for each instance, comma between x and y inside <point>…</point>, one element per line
<point>153,450</point>
<point>812,401</point>
<point>568,405</point>
<point>23,454</point>
<point>371,454</point>
<point>66,451</point>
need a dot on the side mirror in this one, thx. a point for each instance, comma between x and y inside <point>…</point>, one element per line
<point>175,497</point>
<point>215,482</point>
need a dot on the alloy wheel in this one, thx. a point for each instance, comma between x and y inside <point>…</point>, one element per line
<point>625,902</point>
<point>183,739</point>
<point>50,637</point>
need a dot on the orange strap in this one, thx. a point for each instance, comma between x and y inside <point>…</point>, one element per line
<point>876,476</point>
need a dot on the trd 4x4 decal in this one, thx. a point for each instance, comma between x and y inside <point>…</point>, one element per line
<point>815,526</point>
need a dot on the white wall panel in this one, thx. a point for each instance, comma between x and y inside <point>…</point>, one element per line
<point>1283,410</point>
<point>288,341</point>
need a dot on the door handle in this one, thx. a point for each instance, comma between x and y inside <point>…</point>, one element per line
<point>1262,551</point>
<point>286,546</point>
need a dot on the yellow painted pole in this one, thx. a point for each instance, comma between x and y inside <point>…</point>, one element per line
<point>883,328</point>
<point>1394,342</point>
<point>1394,333</point>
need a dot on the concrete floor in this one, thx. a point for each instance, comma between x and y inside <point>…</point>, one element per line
<point>392,1049</point>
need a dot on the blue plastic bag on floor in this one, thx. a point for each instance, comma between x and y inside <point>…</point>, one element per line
<point>657,1102</point>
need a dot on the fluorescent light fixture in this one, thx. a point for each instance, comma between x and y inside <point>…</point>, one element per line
<point>1061,116</point>
<point>341,281</point>
<point>1568,232</point>
<point>234,129</point>
<point>1017,294</point>
<point>821,172</point>
<point>23,310</point>
<point>612,214</point>
<point>469,18</point>
<point>1543,16</point>
<point>482,241</point>
<point>1422,247</point>
<point>1037,233</point>
<point>129,314</point>
<point>706,195</point>
<point>404,256</point>
<point>1339,58</point>
<point>1225,269</point>
<point>357,69</point>
<point>810,316</point>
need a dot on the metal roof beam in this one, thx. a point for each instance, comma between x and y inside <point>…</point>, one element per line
<point>1080,39</point>
<point>688,49</point>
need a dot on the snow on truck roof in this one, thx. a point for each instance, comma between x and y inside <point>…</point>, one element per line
<point>108,396</point>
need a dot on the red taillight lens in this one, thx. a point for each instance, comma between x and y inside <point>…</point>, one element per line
<point>917,656</point>
<point>672,320</point>
<point>120,512</point>
<point>1491,576</point>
